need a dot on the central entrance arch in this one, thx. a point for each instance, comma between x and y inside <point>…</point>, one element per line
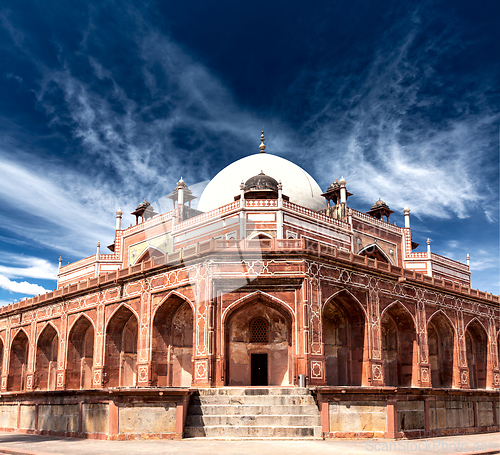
<point>258,339</point>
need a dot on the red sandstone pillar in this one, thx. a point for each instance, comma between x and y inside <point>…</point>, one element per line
<point>392,421</point>
<point>113,422</point>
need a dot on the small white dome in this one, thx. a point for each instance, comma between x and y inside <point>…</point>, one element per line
<point>298,185</point>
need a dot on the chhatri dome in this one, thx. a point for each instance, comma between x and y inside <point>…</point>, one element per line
<point>298,185</point>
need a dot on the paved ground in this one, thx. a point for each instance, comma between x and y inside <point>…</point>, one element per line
<point>12,443</point>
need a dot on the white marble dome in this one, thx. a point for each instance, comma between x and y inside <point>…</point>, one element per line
<point>298,185</point>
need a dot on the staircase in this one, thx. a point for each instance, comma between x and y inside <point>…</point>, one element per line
<point>260,412</point>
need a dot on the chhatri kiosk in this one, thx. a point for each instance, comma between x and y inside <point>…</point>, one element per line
<point>209,322</point>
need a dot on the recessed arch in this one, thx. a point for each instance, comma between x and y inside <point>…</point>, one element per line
<point>47,323</point>
<point>18,361</point>
<point>476,344</point>
<point>172,294</point>
<point>80,353</point>
<point>172,340</point>
<point>260,236</point>
<point>344,326</point>
<point>117,309</point>
<point>82,315</point>
<point>478,321</point>
<point>47,348</point>
<point>122,333</point>
<point>350,295</point>
<point>244,362</point>
<point>441,339</point>
<point>374,251</point>
<point>403,308</point>
<point>254,295</point>
<point>151,252</point>
<point>399,345</point>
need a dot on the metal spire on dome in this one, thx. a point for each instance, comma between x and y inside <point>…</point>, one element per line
<point>262,145</point>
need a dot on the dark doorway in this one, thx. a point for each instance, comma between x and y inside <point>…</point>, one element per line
<point>259,369</point>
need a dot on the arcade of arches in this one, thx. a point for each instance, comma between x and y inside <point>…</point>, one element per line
<point>259,342</point>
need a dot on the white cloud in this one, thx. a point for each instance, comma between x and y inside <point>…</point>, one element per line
<point>30,267</point>
<point>21,287</point>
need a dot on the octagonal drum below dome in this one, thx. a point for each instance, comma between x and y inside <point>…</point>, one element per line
<point>298,185</point>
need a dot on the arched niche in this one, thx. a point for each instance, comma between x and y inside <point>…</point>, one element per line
<point>441,342</point>
<point>172,343</point>
<point>344,337</point>
<point>476,342</point>
<point>121,349</point>
<point>399,346</point>
<point>80,355</point>
<point>46,359</point>
<point>18,362</point>
<point>258,340</point>
<point>374,251</point>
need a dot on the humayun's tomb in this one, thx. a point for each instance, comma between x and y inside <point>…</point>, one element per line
<point>272,310</point>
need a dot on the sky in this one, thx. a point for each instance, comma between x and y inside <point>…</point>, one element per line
<point>105,103</point>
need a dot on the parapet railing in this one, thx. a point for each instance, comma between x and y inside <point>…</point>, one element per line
<point>302,246</point>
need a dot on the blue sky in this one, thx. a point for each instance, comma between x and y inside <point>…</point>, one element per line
<point>105,103</point>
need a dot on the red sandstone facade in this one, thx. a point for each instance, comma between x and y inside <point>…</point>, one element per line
<point>204,301</point>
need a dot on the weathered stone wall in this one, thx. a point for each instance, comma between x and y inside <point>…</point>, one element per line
<point>147,418</point>
<point>58,418</point>
<point>350,417</point>
<point>27,419</point>
<point>411,415</point>
<point>150,414</point>
<point>8,416</point>
<point>95,417</point>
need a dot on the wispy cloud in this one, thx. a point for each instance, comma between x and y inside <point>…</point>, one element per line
<point>27,266</point>
<point>382,137</point>
<point>22,287</point>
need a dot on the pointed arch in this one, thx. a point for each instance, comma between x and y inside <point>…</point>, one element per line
<point>18,361</point>
<point>117,309</point>
<point>350,295</point>
<point>47,348</point>
<point>168,296</point>
<point>244,356</point>
<point>441,339</point>
<point>47,323</point>
<point>122,333</point>
<point>82,315</point>
<point>172,341</point>
<point>399,345</point>
<point>375,252</point>
<point>476,344</point>
<point>255,295</point>
<point>260,236</point>
<point>344,325</point>
<point>80,353</point>
<point>151,252</point>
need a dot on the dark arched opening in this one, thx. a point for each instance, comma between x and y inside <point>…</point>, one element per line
<point>398,346</point>
<point>18,362</point>
<point>476,342</point>
<point>80,355</point>
<point>344,340</point>
<point>121,349</point>
<point>440,339</point>
<point>172,344</point>
<point>46,359</point>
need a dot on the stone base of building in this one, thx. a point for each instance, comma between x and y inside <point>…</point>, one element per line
<point>115,414</point>
<point>160,413</point>
<point>388,412</point>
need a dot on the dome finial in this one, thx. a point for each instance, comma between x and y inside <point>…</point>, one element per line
<point>262,145</point>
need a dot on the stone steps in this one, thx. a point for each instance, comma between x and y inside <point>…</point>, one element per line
<point>249,410</point>
<point>263,412</point>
